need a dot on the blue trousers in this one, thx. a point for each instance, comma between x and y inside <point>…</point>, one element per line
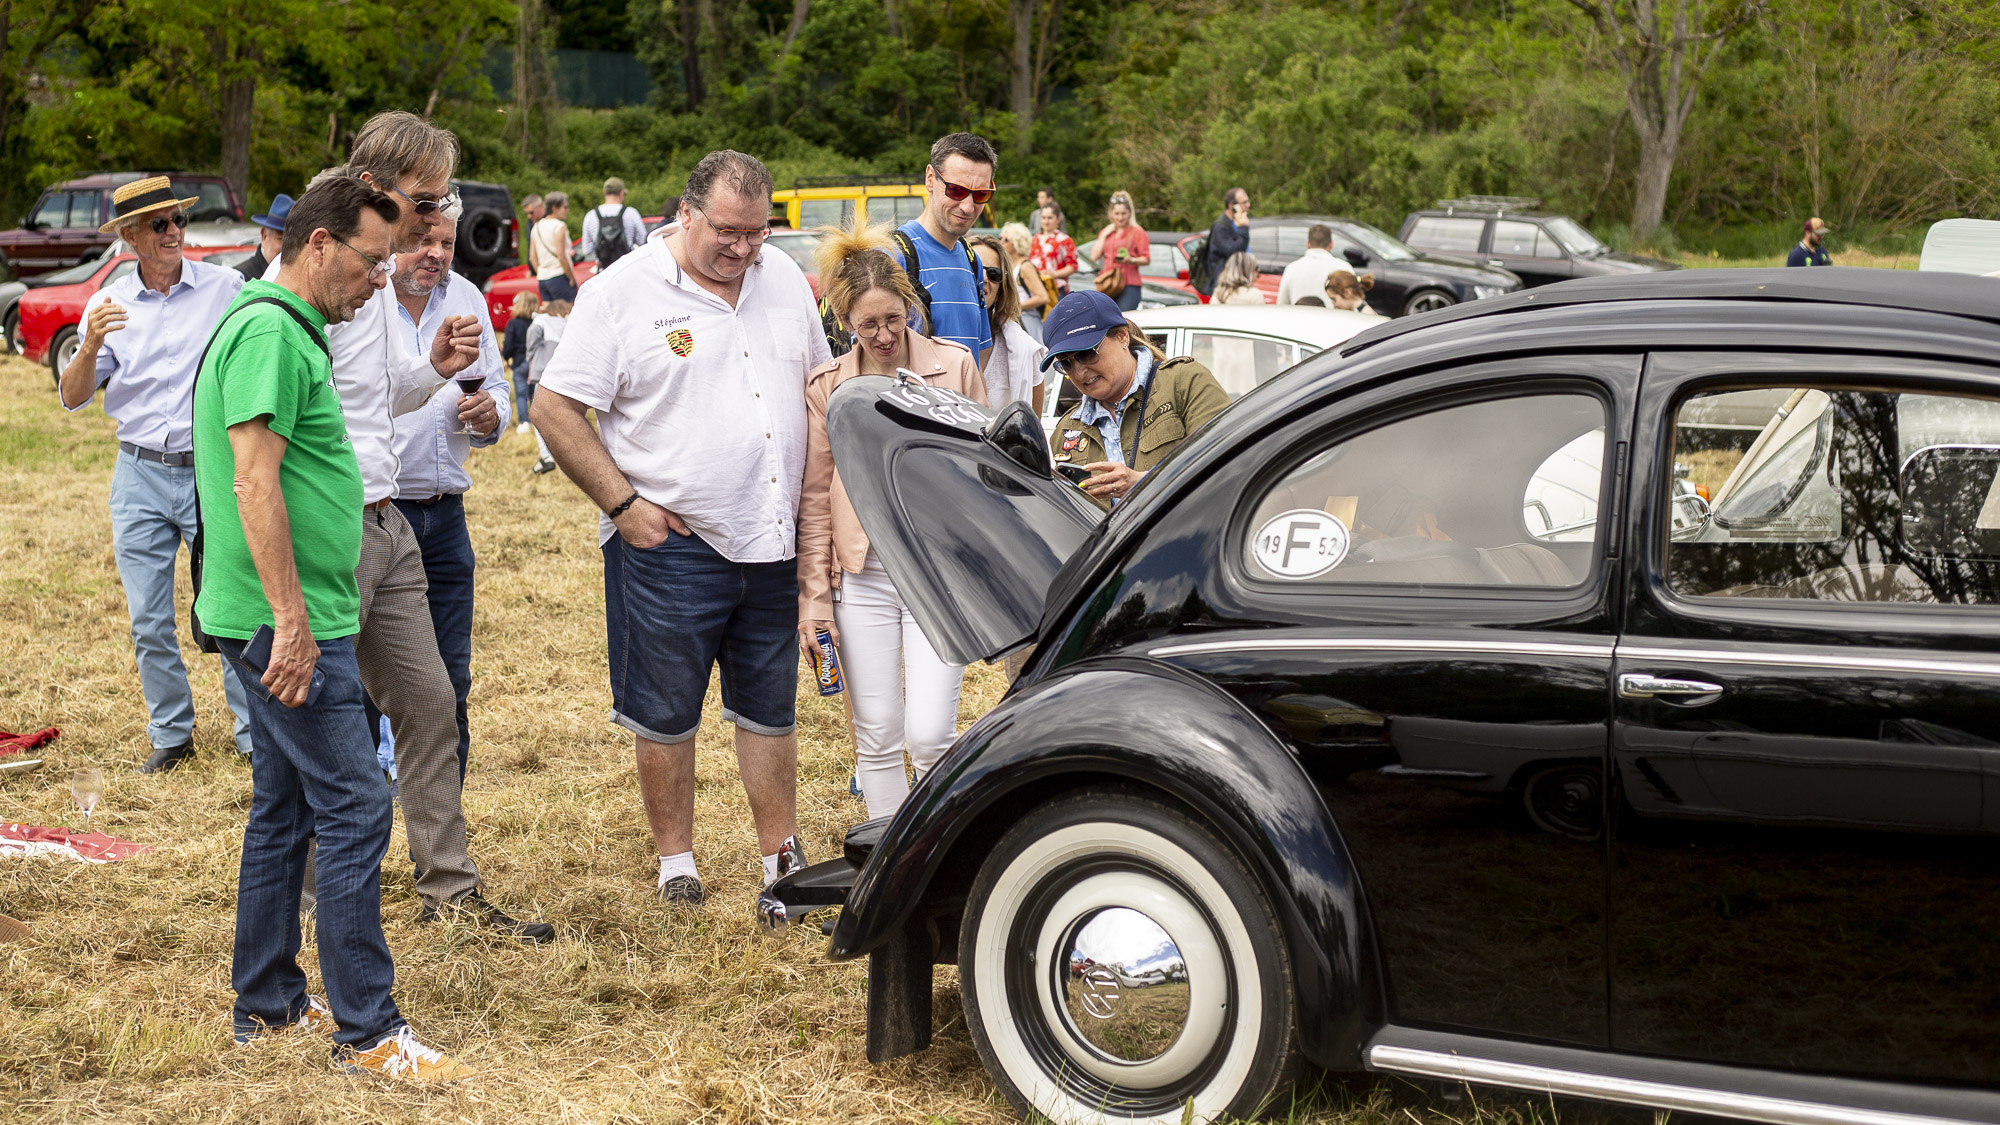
<point>314,774</point>
<point>448,562</point>
<point>152,514</point>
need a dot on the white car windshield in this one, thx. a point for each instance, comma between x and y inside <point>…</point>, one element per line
<point>1574,238</point>
<point>1379,244</point>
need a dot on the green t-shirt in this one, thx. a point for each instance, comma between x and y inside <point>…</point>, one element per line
<point>263,363</point>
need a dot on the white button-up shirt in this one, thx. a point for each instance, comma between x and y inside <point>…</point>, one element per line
<point>701,406</point>
<point>147,368</point>
<point>378,377</point>
<point>430,452</point>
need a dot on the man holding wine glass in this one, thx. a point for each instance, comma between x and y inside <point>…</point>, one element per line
<point>433,441</point>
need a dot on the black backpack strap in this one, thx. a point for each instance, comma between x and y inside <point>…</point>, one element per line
<point>909,251</point>
<point>201,638</point>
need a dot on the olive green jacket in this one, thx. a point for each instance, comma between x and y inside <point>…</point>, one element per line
<point>1184,397</point>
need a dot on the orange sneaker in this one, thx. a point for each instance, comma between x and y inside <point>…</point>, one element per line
<point>400,1055</point>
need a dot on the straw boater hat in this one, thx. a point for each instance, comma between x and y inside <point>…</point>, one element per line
<point>139,197</point>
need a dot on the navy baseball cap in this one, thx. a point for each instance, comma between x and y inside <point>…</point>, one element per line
<point>1078,322</point>
<point>281,209</point>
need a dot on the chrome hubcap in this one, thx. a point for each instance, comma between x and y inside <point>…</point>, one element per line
<point>1127,990</point>
<point>1134,982</point>
<point>1430,302</point>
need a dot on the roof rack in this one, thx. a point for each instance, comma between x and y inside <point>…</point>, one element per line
<point>1489,204</point>
<point>855,181</point>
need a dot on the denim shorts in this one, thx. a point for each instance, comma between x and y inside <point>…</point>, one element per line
<point>675,611</point>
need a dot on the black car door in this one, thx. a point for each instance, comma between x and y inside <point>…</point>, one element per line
<point>1392,284</point>
<point>1807,742</point>
<point>1413,591</point>
<point>1529,251</point>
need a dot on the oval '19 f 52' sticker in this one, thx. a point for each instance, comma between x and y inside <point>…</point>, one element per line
<point>1302,543</point>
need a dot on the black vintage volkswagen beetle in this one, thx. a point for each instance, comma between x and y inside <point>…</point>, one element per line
<point>1594,691</point>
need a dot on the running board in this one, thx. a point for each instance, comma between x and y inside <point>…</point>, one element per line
<point>1776,1097</point>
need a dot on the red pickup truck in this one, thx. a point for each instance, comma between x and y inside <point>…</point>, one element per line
<point>60,230</point>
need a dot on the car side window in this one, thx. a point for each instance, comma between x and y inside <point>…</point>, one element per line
<point>119,270</point>
<point>1461,235</point>
<point>210,200</point>
<point>1523,240</point>
<point>825,213</point>
<point>53,214</point>
<point>1833,495</point>
<point>83,207</point>
<point>1264,241</point>
<point>1496,493</point>
<point>1240,362</point>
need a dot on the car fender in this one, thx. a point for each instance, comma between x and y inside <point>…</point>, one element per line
<point>1135,721</point>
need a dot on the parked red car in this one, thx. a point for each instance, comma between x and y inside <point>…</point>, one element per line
<point>60,230</point>
<point>50,314</point>
<point>503,287</point>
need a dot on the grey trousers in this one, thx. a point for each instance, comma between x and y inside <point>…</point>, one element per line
<point>405,676</point>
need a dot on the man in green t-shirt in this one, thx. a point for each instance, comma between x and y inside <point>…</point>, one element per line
<point>281,522</point>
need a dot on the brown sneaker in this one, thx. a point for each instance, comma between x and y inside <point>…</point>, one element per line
<point>400,1055</point>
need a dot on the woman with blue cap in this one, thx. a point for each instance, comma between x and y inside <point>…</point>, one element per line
<point>1137,405</point>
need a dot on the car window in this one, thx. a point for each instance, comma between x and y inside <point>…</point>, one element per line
<point>1438,233</point>
<point>118,271</point>
<point>825,213</point>
<point>1162,264</point>
<point>1831,495</point>
<point>83,207</point>
<point>1379,244</point>
<point>1580,241</point>
<point>1291,241</point>
<point>1446,498</point>
<point>1264,241</point>
<point>1240,362</point>
<point>897,210</point>
<point>54,211</point>
<point>799,248</point>
<point>211,200</point>
<point>1523,240</point>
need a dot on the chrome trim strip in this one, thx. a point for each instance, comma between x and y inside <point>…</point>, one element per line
<point>1633,1091</point>
<point>1397,644</point>
<point>1810,660</point>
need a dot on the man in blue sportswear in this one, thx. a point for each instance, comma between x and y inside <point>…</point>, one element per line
<point>957,183</point>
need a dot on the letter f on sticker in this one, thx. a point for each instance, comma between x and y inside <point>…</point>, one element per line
<point>1292,541</point>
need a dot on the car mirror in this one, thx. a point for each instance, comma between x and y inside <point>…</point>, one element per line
<point>1951,502</point>
<point>1017,432</point>
<point>1690,517</point>
<point>1354,256</point>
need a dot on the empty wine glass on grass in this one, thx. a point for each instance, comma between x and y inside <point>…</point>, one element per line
<point>469,385</point>
<point>86,788</point>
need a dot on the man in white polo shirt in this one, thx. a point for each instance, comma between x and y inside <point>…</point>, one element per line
<point>694,351</point>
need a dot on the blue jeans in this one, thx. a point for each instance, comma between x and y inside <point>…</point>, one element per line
<point>314,774</point>
<point>557,288</point>
<point>524,392</point>
<point>674,612</point>
<point>152,514</point>
<point>1128,299</point>
<point>447,551</point>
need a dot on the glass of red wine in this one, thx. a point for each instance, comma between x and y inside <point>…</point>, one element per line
<point>469,385</point>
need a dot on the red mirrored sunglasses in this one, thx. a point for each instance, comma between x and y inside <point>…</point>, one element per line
<point>955,192</point>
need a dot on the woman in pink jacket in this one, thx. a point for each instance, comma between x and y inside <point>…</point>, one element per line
<point>901,691</point>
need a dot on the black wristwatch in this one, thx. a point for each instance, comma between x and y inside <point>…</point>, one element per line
<point>620,509</point>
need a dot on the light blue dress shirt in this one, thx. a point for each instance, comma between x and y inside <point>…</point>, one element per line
<point>1095,413</point>
<point>429,449</point>
<point>147,368</point>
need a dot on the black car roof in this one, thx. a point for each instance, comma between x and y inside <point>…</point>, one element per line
<point>1953,294</point>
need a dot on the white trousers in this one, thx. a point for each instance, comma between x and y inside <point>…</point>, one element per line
<point>902,692</point>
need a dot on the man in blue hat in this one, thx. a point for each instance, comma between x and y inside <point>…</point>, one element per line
<point>269,240</point>
<point>1137,406</point>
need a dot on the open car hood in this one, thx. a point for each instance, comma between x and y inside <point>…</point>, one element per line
<point>962,507</point>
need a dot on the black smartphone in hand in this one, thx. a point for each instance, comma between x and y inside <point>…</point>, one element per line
<point>257,656</point>
<point>1075,474</point>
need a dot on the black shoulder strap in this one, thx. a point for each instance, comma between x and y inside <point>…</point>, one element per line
<point>910,266</point>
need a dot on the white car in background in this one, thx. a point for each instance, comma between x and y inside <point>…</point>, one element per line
<point>1244,345</point>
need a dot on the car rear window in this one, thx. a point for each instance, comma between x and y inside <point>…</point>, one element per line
<point>1436,233</point>
<point>211,200</point>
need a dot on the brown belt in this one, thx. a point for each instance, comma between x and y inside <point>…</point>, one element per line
<point>378,505</point>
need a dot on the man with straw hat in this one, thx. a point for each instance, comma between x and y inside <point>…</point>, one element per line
<point>142,337</point>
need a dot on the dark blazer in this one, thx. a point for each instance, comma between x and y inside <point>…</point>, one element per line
<point>1224,238</point>
<point>514,345</point>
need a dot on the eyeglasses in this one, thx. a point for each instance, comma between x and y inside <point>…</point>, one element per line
<point>730,236</point>
<point>994,275</point>
<point>1069,361</point>
<point>383,266</point>
<point>869,329</point>
<point>956,192</point>
<point>160,226</point>
<point>426,206</point>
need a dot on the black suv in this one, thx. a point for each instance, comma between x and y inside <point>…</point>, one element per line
<point>486,230</point>
<point>1506,232</point>
<point>1406,280</point>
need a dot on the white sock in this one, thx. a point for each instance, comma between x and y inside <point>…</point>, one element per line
<point>770,868</point>
<point>680,864</point>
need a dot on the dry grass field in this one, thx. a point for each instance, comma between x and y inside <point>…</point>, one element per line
<point>117,1008</point>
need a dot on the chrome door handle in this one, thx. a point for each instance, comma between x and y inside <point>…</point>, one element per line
<point>1637,685</point>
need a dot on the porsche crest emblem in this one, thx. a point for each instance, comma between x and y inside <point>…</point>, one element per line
<point>682,341</point>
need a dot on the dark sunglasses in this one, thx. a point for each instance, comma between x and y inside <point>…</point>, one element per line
<point>160,225</point>
<point>954,192</point>
<point>1069,361</point>
<point>428,206</point>
<point>993,274</point>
